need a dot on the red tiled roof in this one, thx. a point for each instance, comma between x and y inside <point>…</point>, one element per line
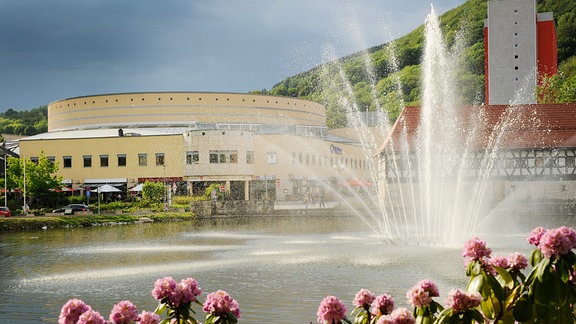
<point>508,127</point>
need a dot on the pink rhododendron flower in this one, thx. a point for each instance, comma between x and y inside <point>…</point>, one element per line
<point>72,310</point>
<point>149,318</point>
<point>517,261</point>
<point>164,288</point>
<point>475,249</point>
<point>460,301</point>
<point>398,316</point>
<point>535,235</point>
<point>421,294</point>
<point>219,302</point>
<point>500,261</point>
<point>557,241</point>
<point>331,310</point>
<point>382,305</point>
<point>123,312</point>
<point>186,292</point>
<point>91,317</point>
<point>363,298</point>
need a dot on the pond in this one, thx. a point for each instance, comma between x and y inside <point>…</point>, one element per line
<point>278,268</point>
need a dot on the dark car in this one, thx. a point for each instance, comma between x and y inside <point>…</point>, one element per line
<point>70,209</point>
<point>5,211</point>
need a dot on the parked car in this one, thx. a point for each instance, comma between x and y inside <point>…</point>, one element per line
<point>5,211</point>
<point>71,208</point>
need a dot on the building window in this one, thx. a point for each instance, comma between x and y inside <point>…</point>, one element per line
<point>103,160</point>
<point>250,157</point>
<point>87,161</point>
<point>51,159</point>
<point>223,156</point>
<point>516,68</point>
<point>516,56</point>
<point>67,161</point>
<point>516,45</point>
<point>570,162</point>
<point>192,157</point>
<point>121,160</point>
<point>515,34</point>
<point>271,157</point>
<point>142,159</point>
<point>34,160</point>
<point>159,159</point>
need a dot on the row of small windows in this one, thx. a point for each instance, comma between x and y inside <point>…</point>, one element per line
<point>121,160</point>
<point>322,160</point>
<point>187,98</point>
<point>192,157</point>
<point>516,45</point>
<point>216,157</point>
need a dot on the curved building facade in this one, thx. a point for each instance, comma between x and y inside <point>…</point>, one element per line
<point>254,146</point>
<point>180,108</point>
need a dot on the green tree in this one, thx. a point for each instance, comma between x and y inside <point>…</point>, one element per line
<point>38,179</point>
<point>561,87</point>
<point>153,192</point>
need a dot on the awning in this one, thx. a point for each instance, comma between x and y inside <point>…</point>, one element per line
<point>356,183</point>
<point>137,188</point>
<point>105,180</point>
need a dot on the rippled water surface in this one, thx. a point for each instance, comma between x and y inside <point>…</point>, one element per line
<point>278,269</point>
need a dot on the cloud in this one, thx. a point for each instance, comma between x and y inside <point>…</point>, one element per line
<point>55,49</point>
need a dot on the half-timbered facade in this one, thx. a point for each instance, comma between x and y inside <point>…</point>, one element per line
<point>529,148</point>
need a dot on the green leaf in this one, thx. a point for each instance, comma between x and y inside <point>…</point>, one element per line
<point>423,320</point>
<point>542,310</point>
<point>475,284</point>
<point>542,269</point>
<point>551,292</point>
<point>477,316</point>
<point>445,316</point>
<point>160,308</point>
<point>570,259</point>
<point>536,257</point>
<point>505,276</point>
<point>361,316</point>
<point>496,288</point>
<point>488,308</point>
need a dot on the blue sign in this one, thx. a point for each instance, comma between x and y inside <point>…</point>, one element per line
<point>335,149</point>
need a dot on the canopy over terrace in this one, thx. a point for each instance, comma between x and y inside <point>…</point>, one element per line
<point>107,188</point>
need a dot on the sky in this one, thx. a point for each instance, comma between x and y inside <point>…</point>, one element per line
<point>56,49</point>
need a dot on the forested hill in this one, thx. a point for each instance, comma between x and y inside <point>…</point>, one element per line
<point>321,83</point>
<point>27,123</point>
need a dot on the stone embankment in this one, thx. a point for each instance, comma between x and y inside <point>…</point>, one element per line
<point>199,210</point>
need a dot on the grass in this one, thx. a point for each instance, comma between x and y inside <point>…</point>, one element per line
<point>40,222</point>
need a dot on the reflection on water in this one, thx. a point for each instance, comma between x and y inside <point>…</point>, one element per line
<point>279,269</point>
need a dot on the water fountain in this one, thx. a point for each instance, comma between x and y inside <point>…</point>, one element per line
<point>439,162</point>
<point>435,144</point>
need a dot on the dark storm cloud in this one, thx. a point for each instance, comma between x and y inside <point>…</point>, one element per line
<point>53,49</point>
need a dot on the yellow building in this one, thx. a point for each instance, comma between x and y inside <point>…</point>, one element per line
<point>253,145</point>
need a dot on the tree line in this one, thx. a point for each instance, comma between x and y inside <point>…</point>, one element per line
<point>25,122</point>
<point>392,80</point>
